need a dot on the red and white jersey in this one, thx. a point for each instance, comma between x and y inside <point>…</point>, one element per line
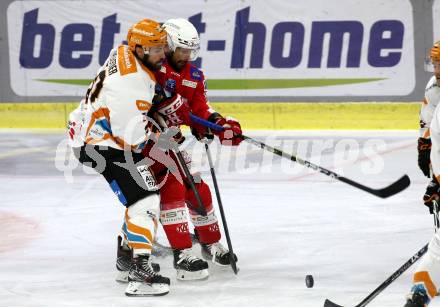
<point>190,84</point>
<point>429,104</point>
<point>114,110</point>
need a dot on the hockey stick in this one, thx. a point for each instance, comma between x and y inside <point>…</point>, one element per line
<point>200,209</point>
<point>222,213</point>
<point>387,282</point>
<point>396,274</point>
<point>394,188</point>
<point>160,250</point>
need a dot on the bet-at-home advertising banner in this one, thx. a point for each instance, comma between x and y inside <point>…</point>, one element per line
<point>248,48</point>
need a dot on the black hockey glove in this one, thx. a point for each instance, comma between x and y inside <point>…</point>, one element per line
<point>432,193</point>
<point>424,161</point>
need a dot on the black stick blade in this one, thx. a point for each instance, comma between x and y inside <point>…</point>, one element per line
<point>234,267</point>
<point>394,188</point>
<point>329,303</point>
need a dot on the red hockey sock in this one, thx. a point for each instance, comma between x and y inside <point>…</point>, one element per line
<point>206,226</point>
<point>173,214</point>
<point>208,234</point>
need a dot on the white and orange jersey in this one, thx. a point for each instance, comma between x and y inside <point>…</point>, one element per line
<point>435,140</point>
<point>429,104</point>
<point>114,110</point>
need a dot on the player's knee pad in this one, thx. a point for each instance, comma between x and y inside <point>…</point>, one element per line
<point>205,195</point>
<point>141,224</point>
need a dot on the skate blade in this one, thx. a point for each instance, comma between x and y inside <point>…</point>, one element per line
<point>211,258</point>
<point>122,277</point>
<point>219,264</point>
<point>215,262</point>
<point>196,275</point>
<point>137,288</point>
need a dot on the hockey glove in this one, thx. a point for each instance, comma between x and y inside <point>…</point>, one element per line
<point>202,134</point>
<point>432,193</point>
<point>232,134</point>
<point>175,110</point>
<point>424,149</point>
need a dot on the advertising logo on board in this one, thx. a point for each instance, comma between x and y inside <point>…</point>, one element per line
<point>248,48</point>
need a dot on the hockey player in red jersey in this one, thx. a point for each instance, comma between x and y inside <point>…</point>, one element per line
<point>179,77</point>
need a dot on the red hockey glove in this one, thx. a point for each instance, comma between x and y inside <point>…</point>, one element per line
<point>232,134</point>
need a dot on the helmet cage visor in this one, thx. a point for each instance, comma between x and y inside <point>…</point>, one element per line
<point>193,46</point>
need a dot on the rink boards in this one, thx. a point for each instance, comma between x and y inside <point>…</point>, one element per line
<point>261,115</point>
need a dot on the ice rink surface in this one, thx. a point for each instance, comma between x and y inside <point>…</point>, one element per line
<point>59,224</point>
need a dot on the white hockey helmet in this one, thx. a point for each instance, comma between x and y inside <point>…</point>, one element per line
<point>181,33</point>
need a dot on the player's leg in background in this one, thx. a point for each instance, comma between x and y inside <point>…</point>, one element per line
<point>426,279</point>
<point>207,227</point>
<point>174,219</point>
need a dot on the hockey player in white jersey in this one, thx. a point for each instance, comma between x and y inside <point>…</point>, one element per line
<point>108,131</point>
<point>429,104</point>
<point>426,279</point>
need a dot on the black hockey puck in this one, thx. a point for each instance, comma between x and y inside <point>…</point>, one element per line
<point>309,281</point>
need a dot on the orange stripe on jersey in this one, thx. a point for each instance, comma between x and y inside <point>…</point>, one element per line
<point>425,102</point>
<point>93,141</point>
<point>105,113</point>
<point>423,277</point>
<point>100,113</point>
<point>126,61</point>
<point>118,141</point>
